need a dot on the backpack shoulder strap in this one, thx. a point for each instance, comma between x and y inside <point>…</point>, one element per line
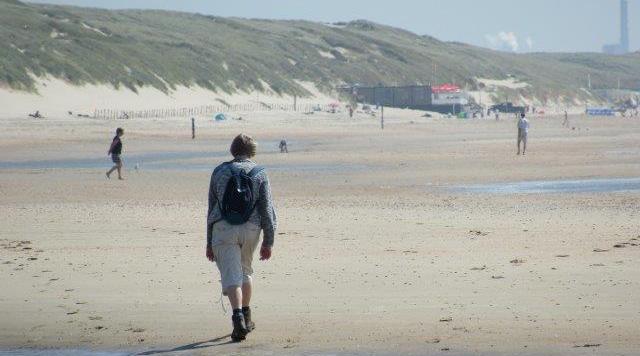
<point>234,170</point>
<point>255,171</point>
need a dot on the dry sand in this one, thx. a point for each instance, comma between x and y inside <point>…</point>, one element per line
<point>376,252</point>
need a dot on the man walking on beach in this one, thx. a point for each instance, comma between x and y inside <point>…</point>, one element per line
<point>115,151</point>
<point>523,131</point>
<point>283,146</point>
<point>240,206</point>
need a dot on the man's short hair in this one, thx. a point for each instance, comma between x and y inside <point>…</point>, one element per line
<point>243,146</point>
<point>119,130</point>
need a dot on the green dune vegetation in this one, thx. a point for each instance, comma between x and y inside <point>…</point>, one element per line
<point>162,49</point>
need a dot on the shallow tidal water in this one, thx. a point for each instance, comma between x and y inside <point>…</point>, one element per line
<point>172,161</point>
<point>556,186</point>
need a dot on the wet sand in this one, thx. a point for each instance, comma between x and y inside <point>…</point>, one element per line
<point>377,252</point>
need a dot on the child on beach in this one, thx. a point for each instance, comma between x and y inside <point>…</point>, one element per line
<point>240,207</point>
<point>115,151</point>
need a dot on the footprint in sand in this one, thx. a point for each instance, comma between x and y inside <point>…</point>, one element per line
<point>588,345</point>
<point>136,330</point>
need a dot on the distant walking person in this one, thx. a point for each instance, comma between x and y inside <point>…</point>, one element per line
<point>115,151</point>
<point>523,132</point>
<point>283,146</point>
<point>240,207</point>
<point>565,123</point>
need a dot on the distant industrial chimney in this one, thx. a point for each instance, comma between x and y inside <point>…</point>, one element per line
<point>624,26</point>
<point>623,46</point>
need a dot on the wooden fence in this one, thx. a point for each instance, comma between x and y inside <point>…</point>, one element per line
<point>205,110</point>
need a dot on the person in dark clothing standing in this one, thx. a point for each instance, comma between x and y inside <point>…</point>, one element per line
<point>115,151</point>
<point>240,208</point>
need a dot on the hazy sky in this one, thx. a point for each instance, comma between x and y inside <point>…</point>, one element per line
<point>522,25</point>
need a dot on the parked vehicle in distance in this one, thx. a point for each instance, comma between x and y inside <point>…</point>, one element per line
<point>507,108</point>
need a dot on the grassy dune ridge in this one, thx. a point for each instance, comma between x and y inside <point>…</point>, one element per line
<point>163,49</point>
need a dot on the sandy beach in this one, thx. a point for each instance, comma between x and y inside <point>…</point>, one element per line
<point>380,249</point>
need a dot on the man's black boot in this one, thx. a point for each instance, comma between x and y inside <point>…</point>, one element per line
<point>246,311</point>
<point>239,327</point>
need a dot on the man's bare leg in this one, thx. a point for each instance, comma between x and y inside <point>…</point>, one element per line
<point>111,171</point>
<point>246,294</point>
<point>235,297</point>
<point>120,171</point>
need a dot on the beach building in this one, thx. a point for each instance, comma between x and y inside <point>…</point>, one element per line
<point>445,98</point>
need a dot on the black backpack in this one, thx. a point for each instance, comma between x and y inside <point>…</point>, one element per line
<point>239,198</point>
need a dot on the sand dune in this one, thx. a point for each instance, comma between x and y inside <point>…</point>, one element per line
<point>54,98</point>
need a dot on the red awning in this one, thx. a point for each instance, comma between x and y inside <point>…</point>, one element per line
<point>446,88</point>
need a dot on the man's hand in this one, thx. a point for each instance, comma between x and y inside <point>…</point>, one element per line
<point>210,255</point>
<point>265,253</point>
